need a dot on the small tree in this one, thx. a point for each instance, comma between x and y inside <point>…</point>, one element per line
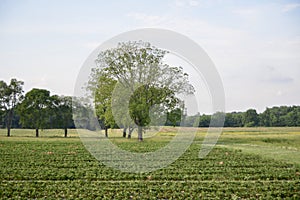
<point>61,107</point>
<point>10,96</point>
<point>83,113</point>
<point>174,117</point>
<point>34,109</point>
<point>101,87</point>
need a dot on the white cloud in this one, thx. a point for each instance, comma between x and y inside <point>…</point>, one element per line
<point>290,7</point>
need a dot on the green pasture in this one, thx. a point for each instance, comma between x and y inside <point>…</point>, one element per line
<point>247,163</point>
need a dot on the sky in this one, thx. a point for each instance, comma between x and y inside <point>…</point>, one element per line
<point>255,45</point>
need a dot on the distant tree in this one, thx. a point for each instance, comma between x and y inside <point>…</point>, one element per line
<point>174,117</point>
<point>281,116</point>
<point>265,118</point>
<point>192,121</point>
<point>34,109</point>
<point>296,111</point>
<point>234,119</point>
<point>83,114</point>
<point>204,120</point>
<point>251,118</point>
<point>61,110</point>
<point>10,96</point>
<point>291,118</point>
<point>3,99</point>
<point>217,119</point>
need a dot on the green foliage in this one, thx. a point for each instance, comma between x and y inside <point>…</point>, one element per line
<point>234,119</point>
<point>34,109</point>
<point>10,96</point>
<point>145,98</point>
<point>281,116</point>
<point>192,121</point>
<point>204,120</point>
<point>174,117</point>
<point>251,118</point>
<point>217,119</point>
<point>271,117</point>
<point>139,68</point>
<point>102,95</point>
<point>60,112</point>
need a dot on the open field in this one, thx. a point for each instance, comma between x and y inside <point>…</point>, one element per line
<point>247,163</point>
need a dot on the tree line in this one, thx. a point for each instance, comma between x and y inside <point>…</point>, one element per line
<point>277,116</point>
<point>37,109</point>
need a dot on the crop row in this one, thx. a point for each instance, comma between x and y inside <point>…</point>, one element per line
<point>149,190</point>
<point>66,170</point>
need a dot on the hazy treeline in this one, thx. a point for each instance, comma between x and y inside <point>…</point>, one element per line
<point>271,117</point>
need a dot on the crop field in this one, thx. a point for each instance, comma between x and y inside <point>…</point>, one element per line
<point>246,163</point>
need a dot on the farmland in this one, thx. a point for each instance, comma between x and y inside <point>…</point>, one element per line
<point>247,163</point>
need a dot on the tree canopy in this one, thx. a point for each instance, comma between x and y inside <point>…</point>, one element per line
<point>10,96</point>
<point>151,84</point>
<point>39,110</point>
<point>34,108</point>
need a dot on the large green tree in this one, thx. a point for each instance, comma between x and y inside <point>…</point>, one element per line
<point>153,85</point>
<point>10,96</point>
<point>34,109</point>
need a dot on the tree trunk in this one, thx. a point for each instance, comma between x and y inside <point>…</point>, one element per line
<point>129,135</point>
<point>66,132</point>
<point>106,132</point>
<point>124,132</point>
<point>129,132</point>
<point>8,131</point>
<point>140,133</point>
<point>36,132</point>
<point>9,120</point>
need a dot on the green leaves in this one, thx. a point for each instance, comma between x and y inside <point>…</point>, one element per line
<point>33,109</point>
<point>10,96</point>
<point>40,110</point>
<point>139,68</point>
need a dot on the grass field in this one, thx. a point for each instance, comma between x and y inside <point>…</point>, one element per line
<point>247,163</point>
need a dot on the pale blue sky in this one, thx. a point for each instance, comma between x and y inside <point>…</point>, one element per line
<point>255,45</point>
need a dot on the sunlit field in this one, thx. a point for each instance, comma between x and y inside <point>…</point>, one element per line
<point>246,163</point>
